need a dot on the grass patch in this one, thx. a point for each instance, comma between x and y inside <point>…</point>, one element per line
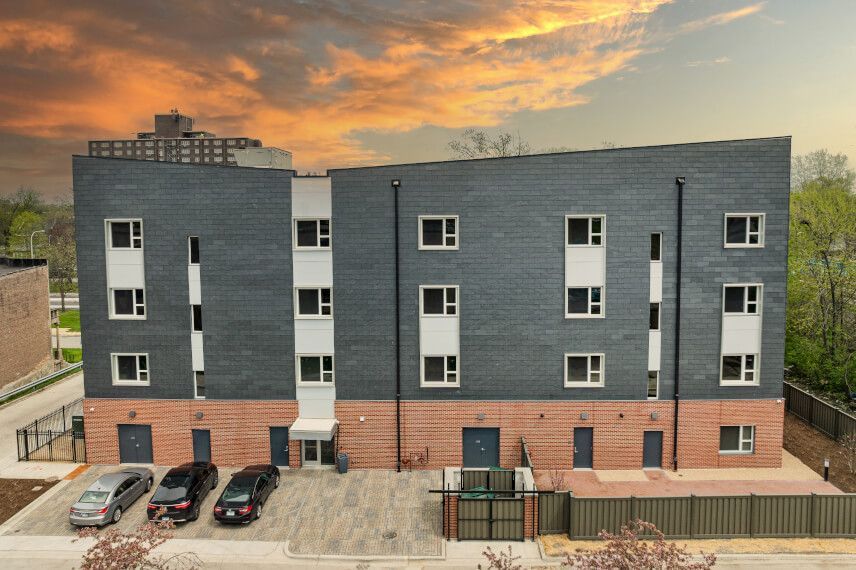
<point>70,320</point>
<point>72,355</point>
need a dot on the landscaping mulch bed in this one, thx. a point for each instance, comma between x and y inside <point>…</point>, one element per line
<point>15,494</point>
<point>812,447</point>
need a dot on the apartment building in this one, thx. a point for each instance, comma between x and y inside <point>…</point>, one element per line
<point>619,309</point>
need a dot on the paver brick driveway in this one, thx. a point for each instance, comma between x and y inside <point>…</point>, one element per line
<point>317,511</point>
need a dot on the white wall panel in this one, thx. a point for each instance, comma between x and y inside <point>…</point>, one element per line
<point>313,336</point>
<point>654,339</point>
<point>313,268</point>
<point>125,268</point>
<point>316,401</point>
<point>311,197</point>
<point>195,283</point>
<point>439,335</point>
<point>585,266</point>
<point>741,334</point>
<point>196,355</point>
<point>656,282</point>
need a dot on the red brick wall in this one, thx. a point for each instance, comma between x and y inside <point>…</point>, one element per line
<point>25,329</point>
<point>239,430</point>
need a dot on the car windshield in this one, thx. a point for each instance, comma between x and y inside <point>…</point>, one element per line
<point>172,488</point>
<point>239,490</point>
<point>94,497</point>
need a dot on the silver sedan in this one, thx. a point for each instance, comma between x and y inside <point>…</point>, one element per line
<point>108,497</point>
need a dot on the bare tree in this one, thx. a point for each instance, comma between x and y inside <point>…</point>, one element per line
<point>821,165</point>
<point>477,143</point>
<point>501,560</point>
<point>848,450</point>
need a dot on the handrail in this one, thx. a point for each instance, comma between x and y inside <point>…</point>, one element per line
<point>40,381</point>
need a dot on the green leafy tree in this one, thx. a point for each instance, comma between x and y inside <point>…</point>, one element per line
<point>62,255</point>
<point>23,225</point>
<point>24,200</point>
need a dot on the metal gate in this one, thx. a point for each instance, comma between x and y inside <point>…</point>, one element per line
<point>490,519</point>
<point>57,436</point>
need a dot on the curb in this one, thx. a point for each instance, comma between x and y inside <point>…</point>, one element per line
<point>366,557</point>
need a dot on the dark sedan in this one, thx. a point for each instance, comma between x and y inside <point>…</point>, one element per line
<point>181,492</point>
<point>243,498</point>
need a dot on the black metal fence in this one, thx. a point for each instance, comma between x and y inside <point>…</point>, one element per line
<point>57,436</point>
<point>828,419</point>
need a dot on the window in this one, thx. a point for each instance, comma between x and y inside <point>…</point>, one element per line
<point>440,232</point>
<point>314,302</point>
<point>739,369</point>
<point>315,368</point>
<point>440,370</point>
<point>653,384</point>
<point>654,317</point>
<point>199,384</point>
<point>585,230</point>
<point>742,299</point>
<point>312,234</point>
<point>744,230</point>
<point>130,369</point>
<point>439,301</point>
<point>126,234</point>
<point>736,439</point>
<point>196,317</point>
<point>582,370</point>
<point>128,303</point>
<point>193,250</point>
<point>656,247</point>
<point>584,301</point>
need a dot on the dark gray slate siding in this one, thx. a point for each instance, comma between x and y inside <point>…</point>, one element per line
<point>242,217</point>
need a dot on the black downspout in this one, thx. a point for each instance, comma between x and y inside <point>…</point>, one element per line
<point>680,181</point>
<point>395,186</point>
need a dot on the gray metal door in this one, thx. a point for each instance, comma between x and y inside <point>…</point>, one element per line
<point>135,443</point>
<point>279,446</point>
<point>481,447</point>
<point>583,439</point>
<point>201,445</point>
<point>652,450</point>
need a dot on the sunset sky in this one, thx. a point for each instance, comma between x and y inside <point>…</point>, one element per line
<point>346,83</point>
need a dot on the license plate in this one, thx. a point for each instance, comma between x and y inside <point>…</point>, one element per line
<point>164,518</point>
<point>230,513</point>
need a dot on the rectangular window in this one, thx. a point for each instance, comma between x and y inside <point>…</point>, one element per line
<point>315,369</point>
<point>125,234</point>
<point>128,304</point>
<point>656,247</point>
<point>440,370</point>
<point>196,317</point>
<point>654,317</point>
<point>312,234</point>
<point>584,301</point>
<point>130,368</point>
<point>583,370</point>
<point>653,384</point>
<point>585,230</point>
<point>439,301</point>
<point>742,299</point>
<point>739,369</point>
<point>744,230</point>
<point>438,232</point>
<point>193,250</point>
<point>314,302</point>
<point>199,384</point>
<point>736,439</point>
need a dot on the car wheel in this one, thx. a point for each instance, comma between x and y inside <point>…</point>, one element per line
<point>149,483</point>
<point>214,482</point>
<point>276,482</point>
<point>195,514</point>
<point>117,515</point>
<point>259,511</point>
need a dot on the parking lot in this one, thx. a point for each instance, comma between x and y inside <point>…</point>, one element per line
<point>319,512</point>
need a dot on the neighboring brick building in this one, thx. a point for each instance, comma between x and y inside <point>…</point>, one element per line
<point>25,328</point>
<point>531,296</point>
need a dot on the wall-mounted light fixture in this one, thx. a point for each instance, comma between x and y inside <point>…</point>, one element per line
<point>542,415</point>
<point>620,414</point>
<point>362,418</point>
<point>199,415</point>
<point>132,414</point>
<point>655,416</point>
<point>480,416</point>
<point>584,416</point>
<point>396,183</point>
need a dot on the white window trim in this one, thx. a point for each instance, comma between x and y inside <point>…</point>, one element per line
<point>589,216</point>
<point>310,383</point>
<point>586,384</point>
<point>762,226</point>
<point>445,384</point>
<point>445,247</point>
<point>741,382</point>
<point>588,315</point>
<point>114,366</point>
<point>657,397</point>
<point>108,235</point>
<point>195,395</point>
<point>759,301</point>
<point>188,251</point>
<point>740,440</point>
<point>319,317</point>
<point>457,302</point>
<point>318,247</point>
<point>661,248</point>
<point>111,301</point>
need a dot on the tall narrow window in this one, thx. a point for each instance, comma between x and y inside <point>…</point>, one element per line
<point>656,247</point>
<point>654,317</point>
<point>438,232</point>
<point>199,384</point>
<point>193,247</point>
<point>196,317</point>
<point>585,230</point>
<point>653,384</point>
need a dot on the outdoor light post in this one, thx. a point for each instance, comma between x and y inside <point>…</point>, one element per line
<point>826,470</point>
<point>32,256</point>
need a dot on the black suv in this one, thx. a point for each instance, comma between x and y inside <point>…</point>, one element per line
<point>242,499</point>
<point>182,491</point>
